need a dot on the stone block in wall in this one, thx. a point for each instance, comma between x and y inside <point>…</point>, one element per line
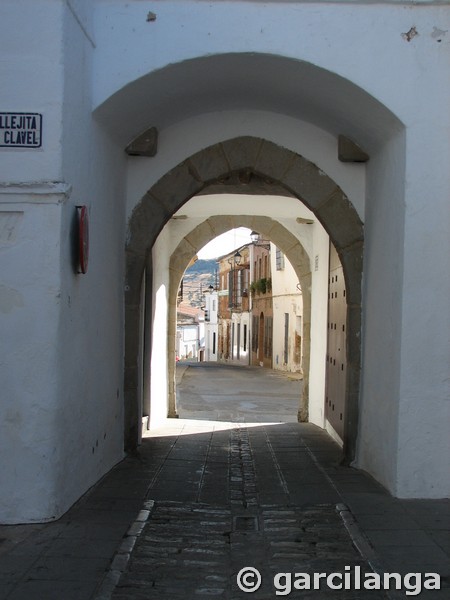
<point>306,181</point>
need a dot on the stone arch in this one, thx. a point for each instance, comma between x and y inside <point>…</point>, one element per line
<point>270,229</point>
<point>250,165</point>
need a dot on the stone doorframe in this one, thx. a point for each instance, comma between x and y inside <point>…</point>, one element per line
<point>270,230</point>
<point>256,166</point>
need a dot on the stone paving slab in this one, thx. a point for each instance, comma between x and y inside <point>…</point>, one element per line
<point>197,550</point>
<point>245,469</point>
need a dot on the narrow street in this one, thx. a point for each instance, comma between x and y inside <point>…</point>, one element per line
<point>224,392</point>
<point>241,484</point>
<point>205,498</point>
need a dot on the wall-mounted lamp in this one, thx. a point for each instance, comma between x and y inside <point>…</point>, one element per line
<point>257,240</point>
<point>236,260</point>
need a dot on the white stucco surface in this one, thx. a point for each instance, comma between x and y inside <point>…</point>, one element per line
<point>29,309</point>
<point>32,76</point>
<point>319,318</point>
<point>223,30</point>
<point>286,299</point>
<point>63,421</point>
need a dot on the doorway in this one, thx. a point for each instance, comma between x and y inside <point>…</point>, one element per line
<point>294,178</point>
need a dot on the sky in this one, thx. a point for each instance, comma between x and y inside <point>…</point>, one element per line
<point>225,243</point>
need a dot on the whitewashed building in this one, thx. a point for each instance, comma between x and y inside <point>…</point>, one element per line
<point>287,314</point>
<point>190,343</point>
<point>233,305</point>
<point>135,118</point>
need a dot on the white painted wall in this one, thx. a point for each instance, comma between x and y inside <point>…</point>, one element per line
<point>90,356</point>
<point>326,36</point>
<point>29,321</point>
<point>63,420</point>
<point>319,317</point>
<point>286,299</point>
<point>162,250</point>
<point>32,76</point>
<point>30,291</point>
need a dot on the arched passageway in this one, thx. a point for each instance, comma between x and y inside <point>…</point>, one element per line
<point>250,165</point>
<point>271,229</point>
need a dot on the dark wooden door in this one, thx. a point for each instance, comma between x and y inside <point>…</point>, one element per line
<point>336,349</point>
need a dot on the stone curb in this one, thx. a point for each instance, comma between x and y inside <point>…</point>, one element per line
<point>122,557</point>
<point>363,546</point>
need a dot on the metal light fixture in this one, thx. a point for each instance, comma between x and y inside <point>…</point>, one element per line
<point>236,260</point>
<point>254,236</point>
<point>257,240</point>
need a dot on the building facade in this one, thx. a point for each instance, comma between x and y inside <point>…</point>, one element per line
<point>190,333</point>
<point>234,306</point>
<point>120,120</point>
<point>287,305</point>
<point>262,310</point>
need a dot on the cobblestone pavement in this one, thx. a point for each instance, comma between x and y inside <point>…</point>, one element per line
<point>203,499</point>
<point>196,551</point>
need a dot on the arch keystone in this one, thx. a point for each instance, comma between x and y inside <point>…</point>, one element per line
<point>209,164</point>
<point>242,153</point>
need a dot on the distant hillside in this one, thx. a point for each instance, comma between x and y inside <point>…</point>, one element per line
<point>196,281</point>
<point>203,266</point>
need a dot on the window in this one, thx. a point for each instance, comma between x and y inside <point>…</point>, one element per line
<point>279,260</point>
<point>230,289</point>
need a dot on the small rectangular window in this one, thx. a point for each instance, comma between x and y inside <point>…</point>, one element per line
<point>279,260</point>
